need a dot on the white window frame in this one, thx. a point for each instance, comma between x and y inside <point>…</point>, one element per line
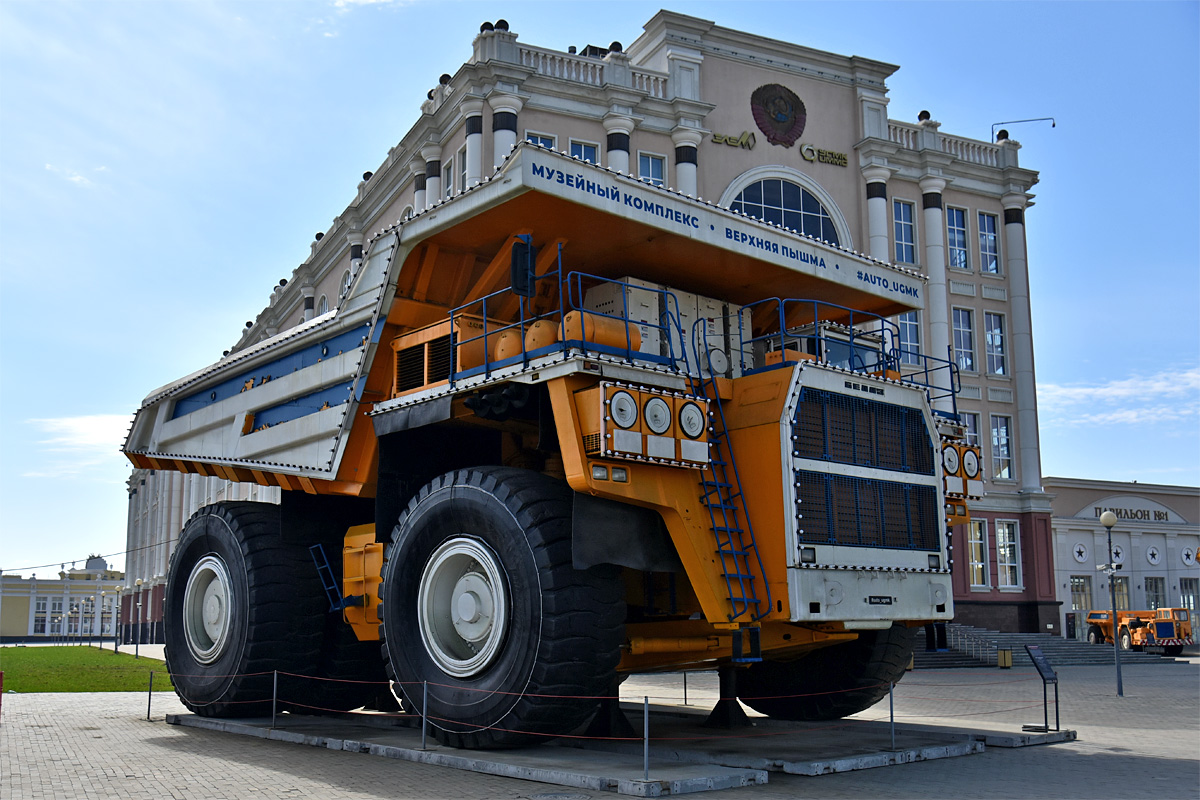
<point>989,256</point>
<point>652,158</point>
<point>582,144</point>
<point>1081,600</point>
<point>462,168</point>
<point>971,423</point>
<point>1004,567</point>
<point>322,305</point>
<point>963,338</point>
<point>448,178</point>
<point>977,545</point>
<point>995,346</point>
<point>910,226</point>
<point>908,325</point>
<point>1002,452</point>
<point>347,280</point>
<point>1160,598</point>
<point>1121,592</point>
<point>1189,588</point>
<point>959,251</point>
<point>544,139</point>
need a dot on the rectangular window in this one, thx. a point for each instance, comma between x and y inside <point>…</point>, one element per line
<point>977,552</point>
<point>651,168</point>
<point>964,339</point>
<point>585,151</point>
<point>448,178</point>
<point>971,422</point>
<point>989,244</point>
<point>910,337</point>
<point>994,344</point>
<point>1121,588</point>
<point>1002,447</point>
<point>462,169</point>
<point>1188,589</point>
<point>1008,555</point>
<point>956,238</point>
<point>905,232</point>
<point>39,615</point>
<point>1081,593</point>
<point>544,139</point>
<point>1156,593</point>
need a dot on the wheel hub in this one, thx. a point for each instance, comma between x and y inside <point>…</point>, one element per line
<point>462,606</point>
<point>206,612</point>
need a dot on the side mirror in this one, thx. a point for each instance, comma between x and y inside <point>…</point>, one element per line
<point>524,262</point>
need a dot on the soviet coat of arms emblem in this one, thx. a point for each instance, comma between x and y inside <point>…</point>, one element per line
<point>779,113</point>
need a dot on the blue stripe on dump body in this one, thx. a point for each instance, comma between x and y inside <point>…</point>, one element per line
<point>292,362</point>
<point>303,406</point>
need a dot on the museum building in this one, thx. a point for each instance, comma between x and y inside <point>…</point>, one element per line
<point>781,132</point>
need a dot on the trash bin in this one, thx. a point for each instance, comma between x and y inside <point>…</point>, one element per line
<point>1004,658</point>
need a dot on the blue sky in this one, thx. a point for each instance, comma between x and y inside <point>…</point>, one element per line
<point>164,164</point>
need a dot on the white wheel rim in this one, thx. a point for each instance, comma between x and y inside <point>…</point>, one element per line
<point>206,611</point>
<point>462,607</point>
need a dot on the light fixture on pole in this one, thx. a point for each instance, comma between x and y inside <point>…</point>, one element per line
<point>1108,519</point>
<point>995,125</point>
<point>138,642</point>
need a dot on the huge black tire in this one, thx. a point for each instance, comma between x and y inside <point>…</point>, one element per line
<point>352,671</point>
<point>1095,635</point>
<point>1173,650</point>
<point>481,600</point>
<point>1126,639</point>
<point>829,683</point>
<point>240,605</point>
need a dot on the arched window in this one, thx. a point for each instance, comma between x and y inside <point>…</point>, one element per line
<point>323,305</point>
<point>346,281</point>
<point>789,204</point>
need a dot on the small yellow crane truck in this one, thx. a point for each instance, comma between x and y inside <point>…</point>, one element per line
<point>1163,630</point>
<point>562,428</point>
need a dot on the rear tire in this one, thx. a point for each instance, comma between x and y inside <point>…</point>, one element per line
<point>1126,640</point>
<point>829,683</point>
<point>240,605</point>
<point>481,600</point>
<point>1173,650</point>
<point>1095,635</point>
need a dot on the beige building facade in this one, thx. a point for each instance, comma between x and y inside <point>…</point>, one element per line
<point>1155,542</point>
<point>795,136</point>
<point>76,606</point>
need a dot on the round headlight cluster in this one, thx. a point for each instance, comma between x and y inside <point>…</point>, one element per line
<point>950,459</point>
<point>970,463</point>
<point>691,420</point>
<point>658,415</point>
<point>624,409</point>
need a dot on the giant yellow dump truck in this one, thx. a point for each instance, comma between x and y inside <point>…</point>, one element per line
<point>559,429</point>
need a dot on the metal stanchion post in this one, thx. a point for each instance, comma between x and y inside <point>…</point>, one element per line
<point>892,711</point>
<point>424,707</point>
<point>685,699</point>
<point>646,738</point>
<point>149,695</point>
<point>274,694</point>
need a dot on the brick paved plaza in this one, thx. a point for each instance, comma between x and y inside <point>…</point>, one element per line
<point>1144,745</point>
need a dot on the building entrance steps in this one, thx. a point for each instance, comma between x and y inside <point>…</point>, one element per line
<point>976,647</point>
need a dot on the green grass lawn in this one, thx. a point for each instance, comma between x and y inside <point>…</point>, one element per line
<point>78,669</point>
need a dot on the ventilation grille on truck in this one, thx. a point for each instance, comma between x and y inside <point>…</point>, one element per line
<point>422,364</point>
<point>854,430</point>
<point>864,512</point>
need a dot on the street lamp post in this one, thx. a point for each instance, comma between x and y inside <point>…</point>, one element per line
<point>117,620</point>
<point>137,644</point>
<point>1108,519</point>
<point>92,627</point>
<point>103,601</point>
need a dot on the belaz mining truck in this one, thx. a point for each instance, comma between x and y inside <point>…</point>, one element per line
<point>562,428</point>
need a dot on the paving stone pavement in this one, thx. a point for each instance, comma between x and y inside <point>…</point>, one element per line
<point>1146,744</point>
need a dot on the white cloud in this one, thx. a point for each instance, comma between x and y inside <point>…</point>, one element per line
<point>345,3</point>
<point>75,445</point>
<point>1136,400</point>
<point>70,175</point>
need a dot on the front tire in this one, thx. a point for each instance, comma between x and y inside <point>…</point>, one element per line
<point>829,683</point>
<point>481,601</point>
<point>1095,635</point>
<point>239,605</point>
<point>1126,640</point>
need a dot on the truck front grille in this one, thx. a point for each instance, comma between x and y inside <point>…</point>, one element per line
<point>865,512</point>
<point>834,427</point>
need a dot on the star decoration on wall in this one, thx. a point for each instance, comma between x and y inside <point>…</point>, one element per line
<point>1152,555</point>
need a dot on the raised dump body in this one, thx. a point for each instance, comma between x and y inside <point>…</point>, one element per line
<point>563,427</point>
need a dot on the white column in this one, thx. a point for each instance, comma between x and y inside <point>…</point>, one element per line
<point>505,108</point>
<point>937,306</point>
<point>687,142</point>
<point>418,172</point>
<point>473,110</point>
<point>309,294</point>
<point>617,146</point>
<point>877,212</point>
<point>431,154</point>
<point>1020,326</point>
